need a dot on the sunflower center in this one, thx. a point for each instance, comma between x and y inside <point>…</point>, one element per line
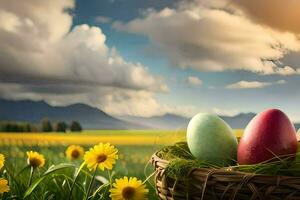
<point>34,162</point>
<point>101,158</point>
<point>75,154</point>
<point>128,193</point>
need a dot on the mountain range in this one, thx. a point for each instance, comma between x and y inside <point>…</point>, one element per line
<point>34,111</point>
<point>94,118</point>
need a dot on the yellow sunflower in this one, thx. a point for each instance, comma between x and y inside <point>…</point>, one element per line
<point>74,152</point>
<point>2,160</point>
<point>128,189</point>
<point>35,159</point>
<point>101,155</point>
<point>3,185</point>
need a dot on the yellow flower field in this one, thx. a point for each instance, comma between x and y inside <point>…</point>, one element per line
<point>117,137</point>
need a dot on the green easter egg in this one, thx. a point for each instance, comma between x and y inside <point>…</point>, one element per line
<point>211,139</point>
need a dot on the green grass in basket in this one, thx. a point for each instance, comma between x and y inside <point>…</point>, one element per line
<point>181,161</point>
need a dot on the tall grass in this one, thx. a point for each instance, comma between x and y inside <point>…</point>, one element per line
<point>55,179</point>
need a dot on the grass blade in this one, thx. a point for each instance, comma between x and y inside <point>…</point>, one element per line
<point>50,170</point>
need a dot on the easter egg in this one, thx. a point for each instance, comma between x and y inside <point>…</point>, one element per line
<point>268,134</point>
<point>211,140</point>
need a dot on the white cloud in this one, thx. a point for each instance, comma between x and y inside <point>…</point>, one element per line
<point>182,110</point>
<point>41,57</point>
<point>36,20</point>
<point>142,104</point>
<point>193,81</point>
<point>226,112</point>
<point>81,57</point>
<point>253,84</point>
<point>209,39</point>
<point>9,22</point>
<point>115,101</point>
<point>103,19</point>
<point>131,103</point>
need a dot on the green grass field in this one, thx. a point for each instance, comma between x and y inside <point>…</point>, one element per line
<point>135,150</point>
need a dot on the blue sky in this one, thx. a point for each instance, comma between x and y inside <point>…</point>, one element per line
<point>196,49</point>
<point>134,47</point>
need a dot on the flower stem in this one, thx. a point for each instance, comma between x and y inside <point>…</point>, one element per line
<point>90,185</point>
<point>109,177</point>
<point>31,175</point>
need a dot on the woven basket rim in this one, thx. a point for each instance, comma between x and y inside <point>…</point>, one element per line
<point>155,159</point>
<point>210,183</point>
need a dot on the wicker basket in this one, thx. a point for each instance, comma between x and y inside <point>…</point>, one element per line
<point>204,183</point>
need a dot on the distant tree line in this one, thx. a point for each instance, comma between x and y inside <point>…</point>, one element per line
<point>44,126</point>
<point>15,127</point>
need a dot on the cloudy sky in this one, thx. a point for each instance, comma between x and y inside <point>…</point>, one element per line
<point>145,58</point>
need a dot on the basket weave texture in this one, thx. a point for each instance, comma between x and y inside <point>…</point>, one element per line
<point>210,184</point>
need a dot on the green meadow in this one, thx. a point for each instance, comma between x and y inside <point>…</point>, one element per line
<point>55,179</point>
